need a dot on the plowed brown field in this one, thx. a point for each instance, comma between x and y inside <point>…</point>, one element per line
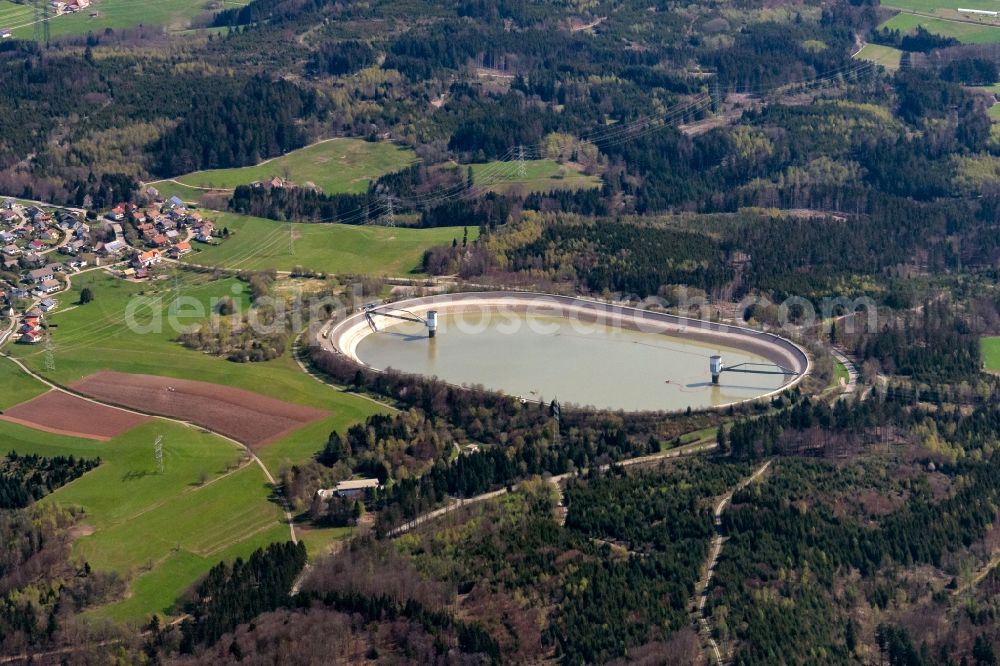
<point>66,414</point>
<point>247,417</point>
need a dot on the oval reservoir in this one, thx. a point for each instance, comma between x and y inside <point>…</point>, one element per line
<point>541,357</point>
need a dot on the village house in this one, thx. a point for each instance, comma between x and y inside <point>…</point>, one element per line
<point>40,275</point>
<point>30,328</point>
<point>117,214</point>
<point>177,251</point>
<point>146,259</point>
<point>49,286</point>
<point>111,248</point>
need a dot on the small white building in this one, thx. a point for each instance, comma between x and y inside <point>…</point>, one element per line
<point>351,488</point>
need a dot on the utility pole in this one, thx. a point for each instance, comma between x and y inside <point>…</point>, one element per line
<point>556,412</point>
<point>390,213</point>
<point>522,171</point>
<point>158,453</point>
<point>50,358</point>
<point>41,21</point>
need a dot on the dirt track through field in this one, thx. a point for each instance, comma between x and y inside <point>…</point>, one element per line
<point>64,414</point>
<point>247,417</point>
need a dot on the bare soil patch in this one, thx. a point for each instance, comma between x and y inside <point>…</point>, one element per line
<point>65,414</point>
<point>247,417</point>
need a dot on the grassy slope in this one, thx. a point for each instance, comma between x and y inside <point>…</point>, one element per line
<point>334,248</point>
<point>337,165</point>
<point>930,6</point>
<point>15,386</point>
<point>967,33</point>
<point>991,352</point>
<point>94,337</point>
<point>169,189</point>
<point>840,372</point>
<point>13,14</point>
<point>174,512</point>
<point>886,56</point>
<point>173,14</point>
<point>539,176</point>
<point>164,530</point>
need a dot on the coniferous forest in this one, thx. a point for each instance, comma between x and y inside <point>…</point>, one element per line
<point>825,171</point>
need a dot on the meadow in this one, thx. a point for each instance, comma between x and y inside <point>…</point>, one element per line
<point>967,32</point>
<point>169,188</point>
<point>13,14</point>
<point>334,166</point>
<point>163,531</point>
<point>886,56</point>
<point>539,176</point>
<point>95,337</point>
<point>256,244</point>
<point>160,531</point>
<point>17,386</point>
<point>932,6</point>
<point>990,346</point>
<point>174,15</point>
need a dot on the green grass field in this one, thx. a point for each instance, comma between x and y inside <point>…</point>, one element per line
<point>539,176</point>
<point>165,530</point>
<point>169,189</point>
<point>13,14</point>
<point>160,531</point>
<point>172,14</point>
<point>990,346</point>
<point>840,373</point>
<point>15,386</point>
<point>332,248</point>
<point>336,165</point>
<point>994,113</point>
<point>886,56</point>
<point>967,33</point>
<point>95,337</point>
<point>930,6</point>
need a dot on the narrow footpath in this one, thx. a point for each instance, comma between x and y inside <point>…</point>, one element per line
<point>713,560</point>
